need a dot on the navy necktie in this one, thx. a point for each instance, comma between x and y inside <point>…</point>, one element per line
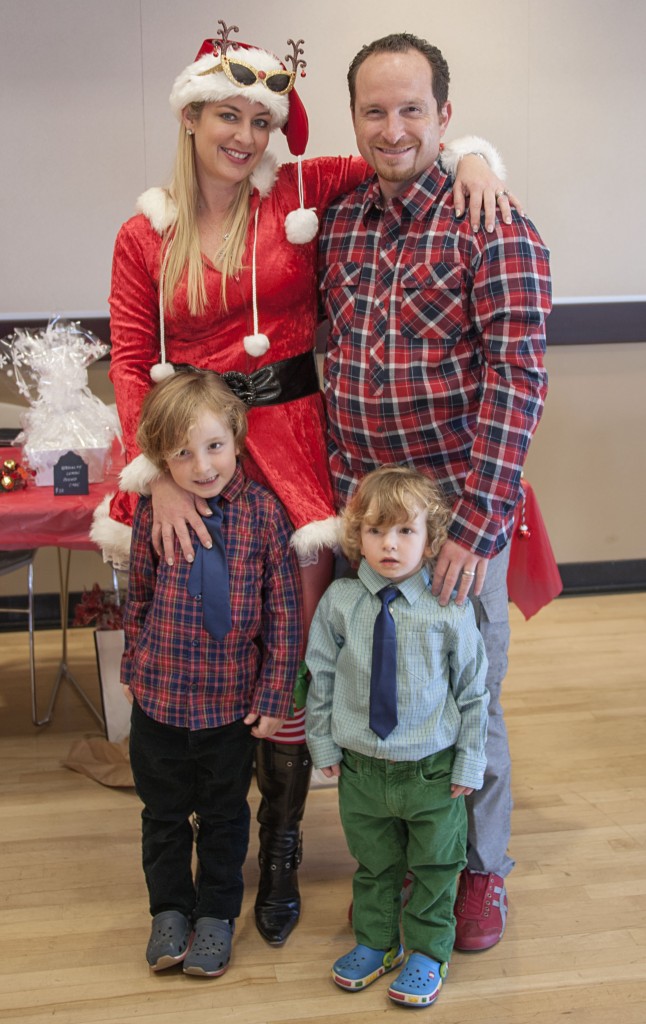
<point>209,577</point>
<point>383,676</point>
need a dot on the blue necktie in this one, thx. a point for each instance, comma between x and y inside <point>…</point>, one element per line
<point>383,676</point>
<point>209,577</point>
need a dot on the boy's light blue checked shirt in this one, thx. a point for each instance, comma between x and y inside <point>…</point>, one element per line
<point>441,668</point>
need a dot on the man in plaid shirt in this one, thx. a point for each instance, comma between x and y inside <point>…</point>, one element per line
<point>435,359</point>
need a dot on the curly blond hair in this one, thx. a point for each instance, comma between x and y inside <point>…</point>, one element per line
<point>395,494</point>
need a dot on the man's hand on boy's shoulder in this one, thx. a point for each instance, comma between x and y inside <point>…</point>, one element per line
<point>455,563</point>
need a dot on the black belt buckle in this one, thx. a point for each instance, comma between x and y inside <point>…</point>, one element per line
<point>242,386</point>
<point>277,383</point>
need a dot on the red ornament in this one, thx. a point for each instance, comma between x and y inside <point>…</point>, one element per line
<point>524,531</point>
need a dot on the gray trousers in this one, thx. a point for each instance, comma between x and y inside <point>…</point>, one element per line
<point>489,809</point>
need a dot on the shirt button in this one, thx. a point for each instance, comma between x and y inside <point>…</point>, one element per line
<point>195,643</point>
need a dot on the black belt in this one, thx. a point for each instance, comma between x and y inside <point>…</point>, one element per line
<point>277,383</point>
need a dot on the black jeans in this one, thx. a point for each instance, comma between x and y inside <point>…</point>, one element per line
<point>179,772</point>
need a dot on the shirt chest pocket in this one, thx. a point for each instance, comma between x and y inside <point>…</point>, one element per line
<point>339,286</point>
<point>432,302</point>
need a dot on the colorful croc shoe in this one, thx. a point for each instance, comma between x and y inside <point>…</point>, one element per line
<point>210,950</point>
<point>363,965</point>
<point>168,942</point>
<point>419,983</point>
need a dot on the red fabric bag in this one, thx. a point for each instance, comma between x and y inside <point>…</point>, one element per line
<point>533,578</point>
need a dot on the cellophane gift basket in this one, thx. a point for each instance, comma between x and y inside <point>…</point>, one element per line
<point>49,366</point>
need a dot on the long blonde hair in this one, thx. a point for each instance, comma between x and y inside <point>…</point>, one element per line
<point>181,248</point>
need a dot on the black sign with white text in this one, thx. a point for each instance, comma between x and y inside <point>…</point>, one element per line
<point>71,475</point>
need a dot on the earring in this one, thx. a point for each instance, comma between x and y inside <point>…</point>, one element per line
<point>189,131</point>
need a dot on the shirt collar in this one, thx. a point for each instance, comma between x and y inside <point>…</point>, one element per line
<point>235,486</point>
<point>412,588</point>
<point>418,198</point>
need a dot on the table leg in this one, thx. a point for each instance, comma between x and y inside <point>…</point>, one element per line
<point>63,667</point>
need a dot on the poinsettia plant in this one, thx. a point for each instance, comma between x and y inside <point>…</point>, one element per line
<point>99,608</point>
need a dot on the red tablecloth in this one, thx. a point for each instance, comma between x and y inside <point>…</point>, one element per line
<point>32,517</point>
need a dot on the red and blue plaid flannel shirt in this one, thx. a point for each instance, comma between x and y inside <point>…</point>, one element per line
<point>436,348</point>
<point>177,672</point>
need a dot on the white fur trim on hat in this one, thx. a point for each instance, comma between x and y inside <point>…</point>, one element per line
<point>322,533</point>
<point>453,151</point>
<point>111,537</point>
<point>196,84</point>
<point>137,476</point>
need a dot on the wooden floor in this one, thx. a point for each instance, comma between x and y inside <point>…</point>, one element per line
<point>74,921</point>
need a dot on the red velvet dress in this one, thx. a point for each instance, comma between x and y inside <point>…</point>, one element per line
<point>286,443</point>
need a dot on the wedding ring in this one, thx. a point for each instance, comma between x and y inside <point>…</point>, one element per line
<point>465,572</point>
<point>501,192</point>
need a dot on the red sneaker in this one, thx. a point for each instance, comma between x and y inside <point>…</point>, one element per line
<point>480,911</point>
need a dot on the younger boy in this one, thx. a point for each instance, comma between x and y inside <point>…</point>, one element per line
<point>211,652</point>
<point>397,708</point>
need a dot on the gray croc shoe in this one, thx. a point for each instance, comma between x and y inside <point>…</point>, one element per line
<point>210,950</point>
<point>169,938</point>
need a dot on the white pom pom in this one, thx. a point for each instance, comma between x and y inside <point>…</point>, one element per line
<point>160,371</point>
<point>301,226</point>
<point>256,344</point>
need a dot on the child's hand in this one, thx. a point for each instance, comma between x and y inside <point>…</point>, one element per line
<point>264,725</point>
<point>334,769</point>
<point>460,790</point>
<point>127,692</point>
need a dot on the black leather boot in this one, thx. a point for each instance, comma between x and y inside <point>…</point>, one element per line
<point>283,774</point>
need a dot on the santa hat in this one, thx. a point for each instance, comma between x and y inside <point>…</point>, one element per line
<point>225,68</point>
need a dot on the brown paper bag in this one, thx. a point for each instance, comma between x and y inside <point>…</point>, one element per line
<point>105,762</point>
